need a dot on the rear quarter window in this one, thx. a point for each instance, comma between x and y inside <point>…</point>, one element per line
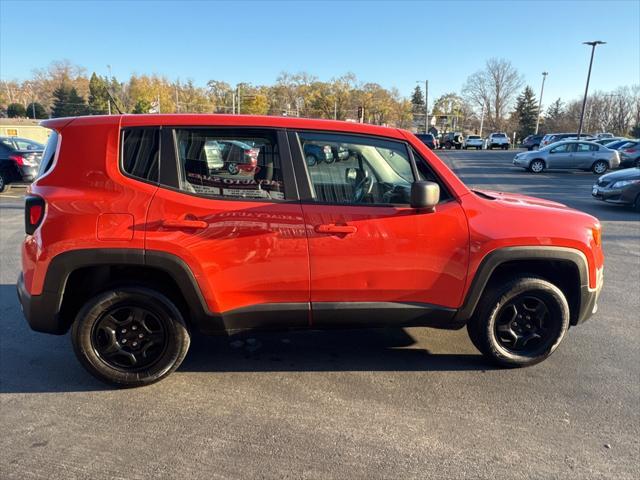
<point>49,153</point>
<point>140,154</point>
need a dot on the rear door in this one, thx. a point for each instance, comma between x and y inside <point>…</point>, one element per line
<point>373,258</point>
<point>584,155</point>
<point>241,232</point>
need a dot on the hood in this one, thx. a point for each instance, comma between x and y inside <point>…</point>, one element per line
<point>517,199</point>
<point>626,174</point>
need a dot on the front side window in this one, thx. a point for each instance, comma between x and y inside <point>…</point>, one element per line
<point>224,164</point>
<point>564,148</point>
<point>348,169</point>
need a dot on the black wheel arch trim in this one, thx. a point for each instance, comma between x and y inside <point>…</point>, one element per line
<point>488,265</point>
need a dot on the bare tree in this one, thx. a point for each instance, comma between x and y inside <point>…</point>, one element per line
<point>495,87</point>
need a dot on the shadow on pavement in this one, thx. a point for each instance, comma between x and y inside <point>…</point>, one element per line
<point>32,362</point>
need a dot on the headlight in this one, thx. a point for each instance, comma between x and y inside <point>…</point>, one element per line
<point>624,183</point>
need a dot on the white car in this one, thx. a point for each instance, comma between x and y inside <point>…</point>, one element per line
<point>473,141</point>
<point>498,140</point>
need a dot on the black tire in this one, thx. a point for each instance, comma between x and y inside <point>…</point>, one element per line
<point>110,320</point>
<point>636,204</point>
<point>537,166</point>
<point>311,160</point>
<point>599,167</point>
<point>3,182</point>
<point>498,340</point>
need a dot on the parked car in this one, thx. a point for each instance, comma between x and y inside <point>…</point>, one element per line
<point>473,141</point>
<point>618,144</point>
<point>428,139</point>
<point>602,135</point>
<point>19,160</point>
<point>342,246</point>
<point>550,138</point>
<point>452,140</point>
<point>607,141</point>
<point>569,155</point>
<point>532,142</point>
<point>630,154</point>
<point>315,153</point>
<point>498,140</point>
<point>622,187</point>
<point>238,156</point>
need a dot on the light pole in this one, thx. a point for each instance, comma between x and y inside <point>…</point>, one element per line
<point>544,77</point>
<point>593,44</point>
<point>426,105</point>
<point>108,82</point>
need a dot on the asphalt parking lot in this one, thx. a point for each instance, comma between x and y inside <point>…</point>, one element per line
<point>416,403</point>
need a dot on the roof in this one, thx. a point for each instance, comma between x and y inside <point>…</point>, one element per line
<point>179,119</point>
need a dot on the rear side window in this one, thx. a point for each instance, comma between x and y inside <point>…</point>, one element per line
<point>234,164</point>
<point>49,152</point>
<point>141,153</point>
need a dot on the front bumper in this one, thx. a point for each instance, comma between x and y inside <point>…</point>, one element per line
<point>589,301</point>
<point>39,310</point>
<point>609,195</point>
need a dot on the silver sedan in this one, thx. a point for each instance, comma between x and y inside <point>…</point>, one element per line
<point>578,155</point>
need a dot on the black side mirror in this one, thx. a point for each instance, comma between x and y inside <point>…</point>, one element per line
<point>425,195</point>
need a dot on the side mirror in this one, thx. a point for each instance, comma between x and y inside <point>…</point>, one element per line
<point>425,195</point>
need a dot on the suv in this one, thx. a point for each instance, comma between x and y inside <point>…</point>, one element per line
<point>132,247</point>
<point>452,140</point>
<point>498,140</point>
<point>19,160</point>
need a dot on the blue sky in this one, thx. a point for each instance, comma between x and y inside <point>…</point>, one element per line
<point>391,43</point>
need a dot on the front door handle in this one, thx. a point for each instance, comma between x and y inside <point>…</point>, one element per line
<point>333,229</point>
<point>198,224</point>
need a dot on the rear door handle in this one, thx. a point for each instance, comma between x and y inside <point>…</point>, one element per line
<point>199,224</point>
<point>333,229</point>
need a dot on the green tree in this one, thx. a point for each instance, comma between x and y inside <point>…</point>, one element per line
<point>98,95</point>
<point>142,106</point>
<point>67,102</point>
<point>526,112</point>
<point>38,109</point>
<point>554,118</point>
<point>417,100</point>
<point>16,110</point>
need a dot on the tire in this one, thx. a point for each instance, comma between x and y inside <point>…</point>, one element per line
<point>466,148</point>
<point>537,166</point>
<point>3,182</point>
<point>539,306</point>
<point>130,315</point>
<point>233,169</point>
<point>329,160</point>
<point>311,160</point>
<point>600,167</point>
<point>636,204</point>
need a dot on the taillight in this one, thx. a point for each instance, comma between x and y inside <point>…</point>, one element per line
<point>19,159</point>
<point>33,213</point>
<point>630,150</point>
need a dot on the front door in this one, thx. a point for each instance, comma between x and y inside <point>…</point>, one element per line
<point>561,156</point>
<point>226,206</point>
<point>373,258</point>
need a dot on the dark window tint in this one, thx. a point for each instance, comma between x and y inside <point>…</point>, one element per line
<point>222,163</point>
<point>49,152</point>
<point>141,152</point>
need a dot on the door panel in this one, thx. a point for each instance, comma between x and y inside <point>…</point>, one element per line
<point>243,252</point>
<point>561,157</point>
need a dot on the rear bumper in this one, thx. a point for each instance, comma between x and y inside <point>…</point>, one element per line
<point>40,310</point>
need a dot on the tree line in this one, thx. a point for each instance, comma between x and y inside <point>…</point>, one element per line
<point>494,96</point>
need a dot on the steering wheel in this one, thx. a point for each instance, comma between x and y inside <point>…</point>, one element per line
<point>362,188</point>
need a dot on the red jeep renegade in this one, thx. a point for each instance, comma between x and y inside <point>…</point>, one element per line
<point>138,233</point>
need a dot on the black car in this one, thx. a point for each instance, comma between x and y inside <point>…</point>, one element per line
<point>452,140</point>
<point>428,139</point>
<point>19,160</point>
<point>621,187</point>
<point>532,142</point>
<point>630,154</point>
<point>314,154</point>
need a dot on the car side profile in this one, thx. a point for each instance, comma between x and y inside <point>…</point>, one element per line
<point>132,246</point>
<point>564,155</point>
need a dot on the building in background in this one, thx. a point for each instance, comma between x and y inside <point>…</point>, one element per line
<point>25,128</point>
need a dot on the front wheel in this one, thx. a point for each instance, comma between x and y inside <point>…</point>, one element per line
<point>537,166</point>
<point>311,160</point>
<point>233,169</point>
<point>521,322</point>
<point>130,337</point>
<point>600,167</point>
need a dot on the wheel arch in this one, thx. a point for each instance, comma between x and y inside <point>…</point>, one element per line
<point>567,268</point>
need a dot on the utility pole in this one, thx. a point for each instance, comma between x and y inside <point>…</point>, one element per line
<point>238,93</point>
<point>593,45</point>
<point>426,106</point>
<point>108,82</point>
<point>233,103</point>
<point>544,76</point>
<point>482,119</point>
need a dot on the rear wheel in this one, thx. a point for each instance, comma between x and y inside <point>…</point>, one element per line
<point>233,169</point>
<point>130,336</point>
<point>636,204</point>
<point>3,182</point>
<point>520,323</point>
<point>311,160</point>
<point>600,167</point>
<point>537,166</point>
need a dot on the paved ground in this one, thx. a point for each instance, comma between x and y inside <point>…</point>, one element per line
<point>418,403</point>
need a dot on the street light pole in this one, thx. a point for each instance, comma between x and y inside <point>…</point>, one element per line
<point>544,77</point>
<point>593,44</point>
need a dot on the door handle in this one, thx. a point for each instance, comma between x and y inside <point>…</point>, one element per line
<point>333,229</point>
<point>199,224</point>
